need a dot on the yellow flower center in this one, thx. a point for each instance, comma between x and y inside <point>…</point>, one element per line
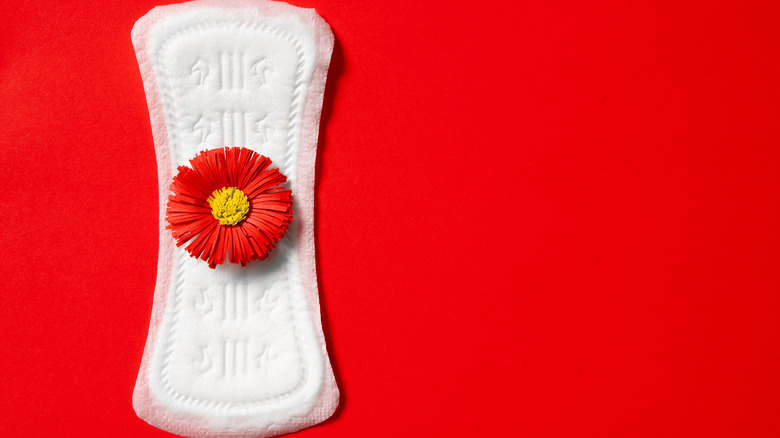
<point>229,205</point>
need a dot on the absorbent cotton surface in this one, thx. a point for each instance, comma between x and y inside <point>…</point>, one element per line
<point>236,351</point>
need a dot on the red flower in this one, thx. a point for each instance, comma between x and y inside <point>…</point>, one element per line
<point>229,202</point>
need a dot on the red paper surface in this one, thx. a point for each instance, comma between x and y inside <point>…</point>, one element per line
<point>536,219</point>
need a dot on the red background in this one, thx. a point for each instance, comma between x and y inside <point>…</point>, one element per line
<point>534,218</point>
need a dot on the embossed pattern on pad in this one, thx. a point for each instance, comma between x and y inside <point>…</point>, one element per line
<point>236,351</point>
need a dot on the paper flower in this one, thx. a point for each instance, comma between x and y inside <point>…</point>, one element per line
<point>229,202</point>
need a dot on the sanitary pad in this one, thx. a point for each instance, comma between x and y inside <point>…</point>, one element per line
<point>236,351</point>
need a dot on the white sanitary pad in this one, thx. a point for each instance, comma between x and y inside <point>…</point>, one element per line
<point>236,351</point>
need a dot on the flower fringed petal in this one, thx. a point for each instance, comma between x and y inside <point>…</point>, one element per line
<point>229,204</point>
